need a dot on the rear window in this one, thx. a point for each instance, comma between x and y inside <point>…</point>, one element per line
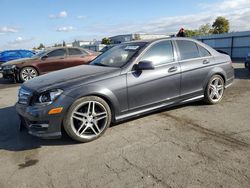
<point>75,51</point>
<point>203,51</point>
<point>187,49</point>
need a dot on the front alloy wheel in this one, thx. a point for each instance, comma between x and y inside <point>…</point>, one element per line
<point>87,119</point>
<point>214,90</point>
<point>28,73</point>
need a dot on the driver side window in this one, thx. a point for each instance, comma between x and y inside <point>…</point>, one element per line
<point>57,53</point>
<point>160,53</point>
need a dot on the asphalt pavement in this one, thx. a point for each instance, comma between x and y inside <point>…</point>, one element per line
<point>194,145</point>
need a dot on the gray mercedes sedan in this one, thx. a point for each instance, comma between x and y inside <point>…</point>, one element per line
<point>128,80</point>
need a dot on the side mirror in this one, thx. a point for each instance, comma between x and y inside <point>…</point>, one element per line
<point>145,65</point>
<point>44,57</point>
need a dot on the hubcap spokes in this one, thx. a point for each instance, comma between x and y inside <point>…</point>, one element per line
<point>89,119</point>
<point>28,74</point>
<point>216,89</point>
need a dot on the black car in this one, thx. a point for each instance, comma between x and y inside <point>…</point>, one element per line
<point>247,62</point>
<point>128,80</point>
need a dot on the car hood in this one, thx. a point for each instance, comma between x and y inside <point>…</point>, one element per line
<point>19,61</point>
<point>71,77</point>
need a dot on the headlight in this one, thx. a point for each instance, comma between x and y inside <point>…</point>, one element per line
<point>48,97</point>
<point>8,67</point>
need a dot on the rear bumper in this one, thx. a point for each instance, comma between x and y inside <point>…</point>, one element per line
<point>39,123</point>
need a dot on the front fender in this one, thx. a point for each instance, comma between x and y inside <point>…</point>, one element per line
<point>96,90</point>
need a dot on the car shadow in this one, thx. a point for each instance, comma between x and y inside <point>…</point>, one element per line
<point>242,73</point>
<point>7,83</point>
<point>12,139</point>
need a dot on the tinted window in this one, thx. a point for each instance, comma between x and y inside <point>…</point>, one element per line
<point>56,53</point>
<point>203,52</point>
<point>188,49</point>
<point>160,53</point>
<point>75,51</point>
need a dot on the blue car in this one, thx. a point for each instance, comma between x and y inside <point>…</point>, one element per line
<point>14,54</point>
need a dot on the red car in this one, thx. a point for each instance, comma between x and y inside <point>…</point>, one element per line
<point>46,61</point>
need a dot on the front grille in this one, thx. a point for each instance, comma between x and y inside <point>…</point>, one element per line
<point>24,96</point>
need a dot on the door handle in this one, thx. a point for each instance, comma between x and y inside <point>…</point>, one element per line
<point>206,61</point>
<point>173,69</point>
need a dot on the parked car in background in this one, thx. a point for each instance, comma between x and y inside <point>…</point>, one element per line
<point>14,54</point>
<point>247,62</point>
<point>128,80</point>
<point>46,61</point>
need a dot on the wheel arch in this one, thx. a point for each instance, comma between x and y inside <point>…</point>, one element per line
<point>105,94</point>
<point>216,71</point>
<point>32,66</point>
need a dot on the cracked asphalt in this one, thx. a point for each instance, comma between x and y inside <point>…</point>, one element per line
<point>194,145</point>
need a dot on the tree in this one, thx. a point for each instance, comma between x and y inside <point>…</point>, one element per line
<point>191,33</point>
<point>41,46</point>
<point>57,45</point>
<point>137,37</point>
<point>205,29</point>
<point>221,25</point>
<point>106,41</point>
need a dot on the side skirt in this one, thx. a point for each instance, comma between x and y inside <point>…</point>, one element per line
<point>156,108</point>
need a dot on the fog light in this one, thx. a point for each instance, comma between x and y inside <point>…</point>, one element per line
<point>55,111</point>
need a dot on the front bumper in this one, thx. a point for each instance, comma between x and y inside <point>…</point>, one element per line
<point>39,123</point>
<point>9,73</point>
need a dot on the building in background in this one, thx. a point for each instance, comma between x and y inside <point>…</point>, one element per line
<point>79,43</point>
<point>69,45</point>
<point>235,44</point>
<point>91,45</point>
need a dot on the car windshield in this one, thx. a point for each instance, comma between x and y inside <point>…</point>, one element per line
<point>119,55</point>
<point>40,54</point>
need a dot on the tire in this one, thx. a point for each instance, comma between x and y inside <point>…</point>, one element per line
<point>27,73</point>
<point>87,119</point>
<point>214,90</point>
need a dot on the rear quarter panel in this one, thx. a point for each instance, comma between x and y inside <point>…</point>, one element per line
<point>223,66</point>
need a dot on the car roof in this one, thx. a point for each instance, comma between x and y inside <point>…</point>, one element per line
<point>165,38</point>
<point>65,47</point>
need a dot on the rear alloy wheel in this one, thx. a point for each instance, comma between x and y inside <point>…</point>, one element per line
<point>87,119</point>
<point>28,73</point>
<point>214,90</point>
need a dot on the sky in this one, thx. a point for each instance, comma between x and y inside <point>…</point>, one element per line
<point>27,23</point>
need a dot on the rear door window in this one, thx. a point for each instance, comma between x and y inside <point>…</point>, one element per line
<point>187,49</point>
<point>75,51</point>
<point>160,53</point>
